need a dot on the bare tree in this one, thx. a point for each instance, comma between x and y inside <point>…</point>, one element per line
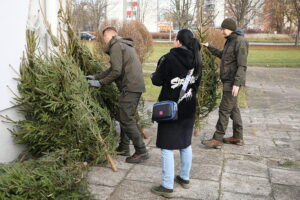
<point>276,10</point>
<point>244,10</point>
<point>88,14</point>
<point>296,7</point>
<point>181,13</point>
<point>143,6</point>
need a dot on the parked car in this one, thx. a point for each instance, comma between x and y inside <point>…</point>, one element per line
<point>87,36</point>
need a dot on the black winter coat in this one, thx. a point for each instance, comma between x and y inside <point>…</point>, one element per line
<point>170,74</point>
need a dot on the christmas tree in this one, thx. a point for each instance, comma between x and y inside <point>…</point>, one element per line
<point>59,108</point>
<point>207,94</point>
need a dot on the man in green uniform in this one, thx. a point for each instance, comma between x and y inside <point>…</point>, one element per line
<point>126,71</point>
<point>232,73</point>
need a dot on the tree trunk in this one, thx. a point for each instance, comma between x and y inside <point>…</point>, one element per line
<point>298,32</point>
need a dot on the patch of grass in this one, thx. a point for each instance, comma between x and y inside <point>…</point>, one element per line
<point>287,164</point>
<point>242,98</point>
<point>159,49</point>
<point>258,56</point>
<point>152,91</point>
<point>274,57</point>
<point>149,67</point>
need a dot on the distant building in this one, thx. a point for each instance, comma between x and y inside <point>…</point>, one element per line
<point>145,11</point>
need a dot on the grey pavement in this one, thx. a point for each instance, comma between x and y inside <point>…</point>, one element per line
<point>267,167</point>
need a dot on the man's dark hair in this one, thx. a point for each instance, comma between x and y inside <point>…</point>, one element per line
<point>109,28</point>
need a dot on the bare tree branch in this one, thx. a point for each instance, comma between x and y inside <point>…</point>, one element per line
<point>181,13</point>
<point>88,14</point>
<point>244,10</point>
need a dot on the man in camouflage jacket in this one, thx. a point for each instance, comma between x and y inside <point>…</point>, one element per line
<point>233,74</point>
<point>126,71</point>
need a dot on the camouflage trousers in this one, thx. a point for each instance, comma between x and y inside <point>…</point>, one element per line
<point>229,109</point>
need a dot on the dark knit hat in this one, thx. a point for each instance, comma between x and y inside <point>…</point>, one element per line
<point>229,24</point>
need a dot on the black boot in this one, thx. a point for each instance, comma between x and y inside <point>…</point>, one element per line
<point>162,191</point>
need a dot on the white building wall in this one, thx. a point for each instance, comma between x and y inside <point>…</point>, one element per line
<point>116,9</point>
<point>151,16</point>
<point>219,11</point>
<point>15,16</point>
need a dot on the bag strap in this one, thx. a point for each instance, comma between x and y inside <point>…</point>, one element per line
<point>185,84</point>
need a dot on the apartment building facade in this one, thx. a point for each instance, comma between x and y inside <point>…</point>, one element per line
<point>145,11</point>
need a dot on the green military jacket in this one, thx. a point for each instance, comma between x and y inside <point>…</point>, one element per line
<point>125,67</point>
<point>233,60</point>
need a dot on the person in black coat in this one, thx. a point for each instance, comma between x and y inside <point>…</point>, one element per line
<point>170,74</point>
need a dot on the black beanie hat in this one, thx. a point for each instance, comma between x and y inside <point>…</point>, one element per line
<point>229,24</point>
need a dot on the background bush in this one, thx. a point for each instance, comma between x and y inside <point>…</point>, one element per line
<point>164,36</point>
<point>130,29</point>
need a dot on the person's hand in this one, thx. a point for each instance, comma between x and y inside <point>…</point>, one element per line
<point>94,83</point>
<point>90,77</point>
<point>205,44</point>
<point>235,90</point>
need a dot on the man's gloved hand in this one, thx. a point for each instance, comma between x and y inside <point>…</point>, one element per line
<point>94,83</point>
<point>90,77</point>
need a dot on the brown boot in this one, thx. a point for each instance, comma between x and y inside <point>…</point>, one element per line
<point>137,158</point>
<point>232,140</point>
<point>212,143</point>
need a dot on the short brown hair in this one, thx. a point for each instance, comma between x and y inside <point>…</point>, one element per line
<point>109,28</point>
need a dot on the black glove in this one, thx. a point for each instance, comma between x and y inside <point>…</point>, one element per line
<point>95,83</point>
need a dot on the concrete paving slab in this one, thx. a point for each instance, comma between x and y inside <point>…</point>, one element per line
<point>243,150</point>
<point>294,135</point>
<point>250,140</point>
<point>202,155</point>
<point>285,177</point>
<point>145,173</point>
<point>100,192</point>
<point>283,192</point>
<point>134,190</point>
<point>200,189</point>
<point>246,167</point>
<point>206,172</point>
<point>235,196</point>
<point>105,176</point>
<point>280,153</point>
<point>235,183</point>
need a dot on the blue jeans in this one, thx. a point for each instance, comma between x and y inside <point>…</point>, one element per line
<point>167,158</point>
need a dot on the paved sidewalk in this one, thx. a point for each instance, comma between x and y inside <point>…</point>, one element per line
<point>267,167</point>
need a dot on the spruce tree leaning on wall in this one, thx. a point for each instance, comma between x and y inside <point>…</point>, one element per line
<point>64,126</point>
<point>59,109</point>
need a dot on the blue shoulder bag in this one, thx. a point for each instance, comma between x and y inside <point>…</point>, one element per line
<point>168,110</point>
